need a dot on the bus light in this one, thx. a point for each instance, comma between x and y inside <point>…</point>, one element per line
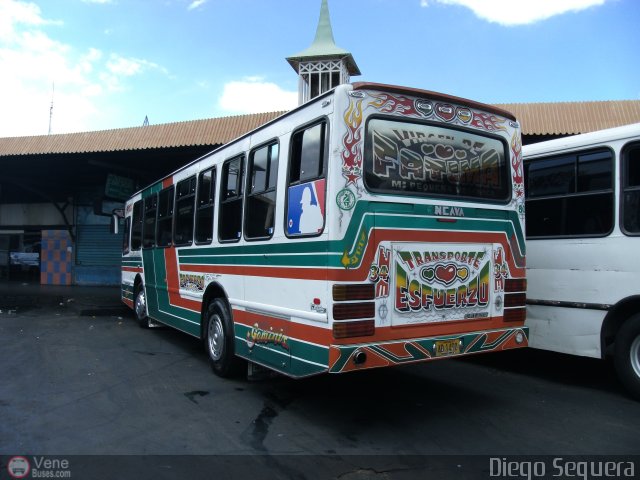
<point>361,328</point>
<point>347,311</point>
<point>515,300</point>
<point>515,285</point>
<point>515,315</point>
<point>358,291</point>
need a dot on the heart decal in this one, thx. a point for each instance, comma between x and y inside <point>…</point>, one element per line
<point>444,152</point>
<point>446,273</point>
<point>425,107</point>
<point>445,111</point>
<point>464,115</point>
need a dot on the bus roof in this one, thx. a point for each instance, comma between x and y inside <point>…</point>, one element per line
<point>583,140</point>
<point>355,86</point>
<point>416,92</point>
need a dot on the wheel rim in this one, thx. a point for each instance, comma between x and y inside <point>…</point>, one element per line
<point>141,305</point>
<point>216,338</point>
<point>634,353</point>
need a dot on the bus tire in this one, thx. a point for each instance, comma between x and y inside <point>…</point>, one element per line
<point>627,355</point>
<point>219,341</point>
<point>140,307</point>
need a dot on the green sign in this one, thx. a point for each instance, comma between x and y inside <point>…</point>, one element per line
<point>119,188</point>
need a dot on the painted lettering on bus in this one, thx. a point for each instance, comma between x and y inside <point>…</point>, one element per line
<point>413,294</point>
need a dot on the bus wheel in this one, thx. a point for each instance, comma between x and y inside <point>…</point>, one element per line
<point>627,355</point>
<point>140,308</point>
<point>219,341</point>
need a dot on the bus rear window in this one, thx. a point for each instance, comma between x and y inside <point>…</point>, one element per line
<point>405,158</point>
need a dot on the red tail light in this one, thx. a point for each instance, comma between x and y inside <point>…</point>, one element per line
<point>361,328</point>
<point>359,291</point>
<point>347,311</point>
<point>515,285</point>
<point>515,315</point>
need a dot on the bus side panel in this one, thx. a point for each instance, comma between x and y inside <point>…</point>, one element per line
<point>161,284</point>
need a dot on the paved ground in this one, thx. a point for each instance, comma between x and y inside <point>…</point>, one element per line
<point>80,377</point>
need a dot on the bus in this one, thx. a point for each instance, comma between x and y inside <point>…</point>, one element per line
<point>583,227</point>
<point>373,226</point>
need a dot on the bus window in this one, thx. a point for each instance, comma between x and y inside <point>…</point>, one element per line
<point>307,154</point>
<point>185,200</point>
<point>305,194</point>
<point>125,237</point>
<point>261,194</point>
<point>149,226</point>
<point>136,226</point>
<point>403,158</point>
<point>204,211</point>
<point>631,185</point>
<point>230,218</point>
<point>570,195</point>
<point>165,217</point>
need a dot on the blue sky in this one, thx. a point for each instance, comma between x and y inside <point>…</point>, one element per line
<point>113,62</point>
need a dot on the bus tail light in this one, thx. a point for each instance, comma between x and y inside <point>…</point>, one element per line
<point>515,299</point>
<point>358,291</point>
<point>359,328</point>
<point>348,311</point>
<point>512,285</point>
<point>515,314</point>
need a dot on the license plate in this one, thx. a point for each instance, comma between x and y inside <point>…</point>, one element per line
<point>443,348</point>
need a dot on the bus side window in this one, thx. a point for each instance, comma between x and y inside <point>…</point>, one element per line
<point>230,216</point>
<point>261,195</point>
<point>306,185</point>
<point>631,186</point>
<point>206,202</point>
<point>570,195</point>
<point>125,237</point>
<point>149,225</point>
<point>136,226</point>
<point>165,217</point>
<point>185,200</point>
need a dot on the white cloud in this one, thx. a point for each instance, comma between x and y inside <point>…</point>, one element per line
<point>518,12</point>
<point>252,95</point>
<point>31,61</point>
<point>195,4</point>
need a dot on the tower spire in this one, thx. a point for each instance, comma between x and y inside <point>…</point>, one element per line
<point>323,65</point>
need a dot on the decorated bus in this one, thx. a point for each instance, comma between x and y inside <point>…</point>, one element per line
<point>372,226</point>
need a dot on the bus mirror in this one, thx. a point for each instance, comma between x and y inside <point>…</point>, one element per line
<point>116,215</point>
<point>113,224</point>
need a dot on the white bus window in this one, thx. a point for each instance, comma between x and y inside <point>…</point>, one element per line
<point>230,217</point>
<point>261,197</point>
<point>570,195</point>
<point>185,201</point>
<point>403,158</point>
<point>204,210</point>
<point>149,226</point>
<point>631,183</point>
<point>136,226</point>
<point>165,217</point>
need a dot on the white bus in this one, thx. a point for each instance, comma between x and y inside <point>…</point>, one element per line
<point>372,226</point>
<point>583,247</point>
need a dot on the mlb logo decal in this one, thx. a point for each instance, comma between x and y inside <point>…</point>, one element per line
<point>305,213</point>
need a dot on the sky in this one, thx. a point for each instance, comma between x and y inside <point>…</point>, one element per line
<point>107,64</point>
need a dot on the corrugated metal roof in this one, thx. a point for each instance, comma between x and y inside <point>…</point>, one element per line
<point>564,118</point>
<point>211,131</point>
<point>568,118</point>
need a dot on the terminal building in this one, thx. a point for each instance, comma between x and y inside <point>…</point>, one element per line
<point>57,192</point>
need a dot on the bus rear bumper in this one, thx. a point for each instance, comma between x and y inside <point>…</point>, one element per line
<point>346,358</point>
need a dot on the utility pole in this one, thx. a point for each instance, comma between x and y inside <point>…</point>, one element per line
<point>53,89</point>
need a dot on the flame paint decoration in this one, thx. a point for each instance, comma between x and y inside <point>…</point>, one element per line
<point>488,121</point>
<point>516,163</point>
<point>352,152</point>
<point>386,103</point>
